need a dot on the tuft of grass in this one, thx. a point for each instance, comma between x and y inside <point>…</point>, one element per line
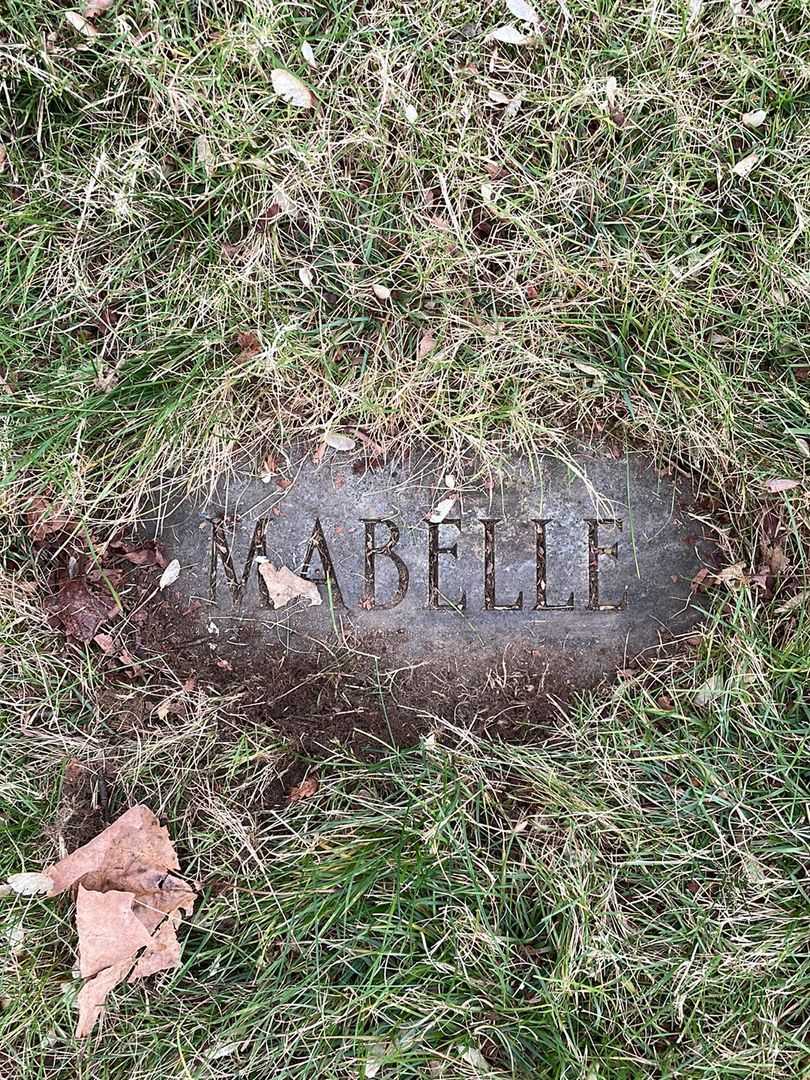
<point>615,273</point>
<point>624,899</point>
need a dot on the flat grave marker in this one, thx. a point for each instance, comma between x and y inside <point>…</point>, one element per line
<point>569,570</point>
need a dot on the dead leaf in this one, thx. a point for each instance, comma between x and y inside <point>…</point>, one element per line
<point>754,119</point>
<point>523,11</point>
<point>290,89</point>
<point>202,149</point>
<point>411,113</point>
<point>79,609</point>
<point>382,292</point>
<point>442,509</point>
<point>170,574</point>
<point>745,166</point>
<point>701,578</point>
<point>81,24</point>
<point>338,441</point>
<point>794,602</point>
<point>731,575</point>
<point>611,90</point>
<point>44,519</point>
<point>283,585</point>
<point>141,553</point>
<point>30,884</point>
<point>308,55</point>
<point>3,157</point>
<point>249,345</point>
<point>268,468</point>
<point>775,486</point>
<point>497,98</point>
<point>133,854</point>
<point>106,643</point>
<point>427,343</point>
<point>163,952</point>
<point>93,994</point>
<point>708,691</point>
<point>128,900</point>
<point>305,277</point>
<point>509,35</point>
<point>94,8</point>
<point>108,929</point>
<point>305,790</point>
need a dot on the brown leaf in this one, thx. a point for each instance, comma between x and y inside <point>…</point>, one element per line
<point>163,951</point>
<point>105,643</point>
<point>305,790</point>
<point>44,519</point>
<point>108,929</point>
<point>427,343</point>
<point>80,24</point>
<point>79,609</point>
<point>147,553</point>
<point>133,854</point>
<point>268,467</point>
<point>438,222</point>
<point>731,575</point>
<point>249,344</point>
<point>128,900</point>
<point>94,993</point>
<point>283,585</point>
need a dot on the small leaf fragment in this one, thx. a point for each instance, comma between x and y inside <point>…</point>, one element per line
<point>442,509</point>
<point>382,292</point>
<point>283,585</point>
<point>305,790</point>
<point>308,55</point>
<point>170,574</point>
<point>755,119</point>
<point>427,343</point>
<point>411,113</point>
<point>745,166</point>
<point>523,11</point>
<point>305,277</point>
<point>775,486</point>
<point>611,90</point>
<point>80,24</point>
<point>202,149</point>
<point>338,441</point>
<point>794,602</point>
<point>708,691</point>
<point>509,35</point>
<point>290,89</point>
<point>29,884</point>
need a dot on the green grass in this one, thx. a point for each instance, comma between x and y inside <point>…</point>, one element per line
<point>626,899</point>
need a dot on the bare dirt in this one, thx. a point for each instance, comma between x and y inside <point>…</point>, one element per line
<point>317,701</point>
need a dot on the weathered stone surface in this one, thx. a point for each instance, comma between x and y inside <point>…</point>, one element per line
<point>571,572</point>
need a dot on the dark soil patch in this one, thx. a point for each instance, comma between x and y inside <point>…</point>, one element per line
<point>82,812</point>
<point>317,700</point>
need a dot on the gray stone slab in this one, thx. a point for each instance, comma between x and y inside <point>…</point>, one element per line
<point>571,571</point>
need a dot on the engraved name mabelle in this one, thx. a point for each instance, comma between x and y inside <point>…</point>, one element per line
<point>576,564</point>
<point>374,549</point>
